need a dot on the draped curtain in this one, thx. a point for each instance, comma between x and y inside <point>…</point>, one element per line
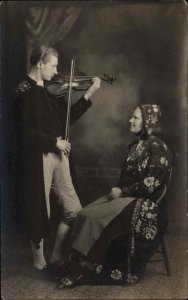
<point>47,24</point>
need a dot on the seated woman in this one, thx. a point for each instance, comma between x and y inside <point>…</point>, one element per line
<point>118,233</point>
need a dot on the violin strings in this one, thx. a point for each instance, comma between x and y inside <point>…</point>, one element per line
<point>69,100</point>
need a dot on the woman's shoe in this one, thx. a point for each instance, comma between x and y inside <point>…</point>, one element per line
<point>70,280</point>
<point>61,270</point>
<point>131,279</point>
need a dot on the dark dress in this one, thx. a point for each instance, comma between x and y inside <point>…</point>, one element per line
<point>110,231</point>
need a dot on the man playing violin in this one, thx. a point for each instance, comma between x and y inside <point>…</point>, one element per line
<point>43,154</point>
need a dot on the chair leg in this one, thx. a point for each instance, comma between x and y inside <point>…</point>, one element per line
<point>166,261</point>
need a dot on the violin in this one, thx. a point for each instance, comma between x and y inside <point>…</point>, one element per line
<point>60,85</point>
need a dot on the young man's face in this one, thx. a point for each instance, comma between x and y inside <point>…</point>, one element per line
<point>49,69</point>
<point>136,121</point>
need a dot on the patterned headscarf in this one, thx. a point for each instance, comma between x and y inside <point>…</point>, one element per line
<point>151,115</point>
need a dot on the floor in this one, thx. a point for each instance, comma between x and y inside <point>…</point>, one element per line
<point>20,281</point>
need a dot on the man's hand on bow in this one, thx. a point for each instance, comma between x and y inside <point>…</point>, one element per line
<point>64,146</point>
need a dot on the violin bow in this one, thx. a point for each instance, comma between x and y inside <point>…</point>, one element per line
<point>69,99</point>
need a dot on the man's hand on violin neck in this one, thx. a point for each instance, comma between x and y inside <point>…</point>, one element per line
<point>63,146</point>
<point>96,82</point>
<point>93,88</point>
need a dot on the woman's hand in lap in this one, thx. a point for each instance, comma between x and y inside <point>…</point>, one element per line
<point>115,193</point>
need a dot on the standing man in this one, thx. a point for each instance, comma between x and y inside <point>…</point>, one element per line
<point>42,153</point>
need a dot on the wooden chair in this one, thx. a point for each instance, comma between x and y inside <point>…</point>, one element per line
<point>162,251</point>
<point>162,246</point>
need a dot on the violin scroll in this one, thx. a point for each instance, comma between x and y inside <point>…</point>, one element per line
<point>108,79</point>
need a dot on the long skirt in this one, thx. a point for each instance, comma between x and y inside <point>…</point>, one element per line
<point>100,222</point>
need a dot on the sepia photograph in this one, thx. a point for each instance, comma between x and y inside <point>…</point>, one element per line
<point>93,149</point>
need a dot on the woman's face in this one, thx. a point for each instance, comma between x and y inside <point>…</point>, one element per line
<point>136,121</point>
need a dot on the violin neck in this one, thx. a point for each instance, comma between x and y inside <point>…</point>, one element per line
<point>90,78</point>
<point>86,77</point>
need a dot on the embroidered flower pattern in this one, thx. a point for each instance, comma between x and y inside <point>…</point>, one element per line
<point>138,225</point>
<point>145,205</point>
<point>99,269</point>
<point>139,168</point>
<point>129,167</point>
<point>87,264</point>
<point>164,161</point>
<point>131,279</point>
<point>145,162</point>
<point>155,144</point>
<point>23,86</point>
<point>155,108</point>
<point>151,215</point>
<point>150,232</point>
<point>135,151</point>
<point>151,115</point>
<point>153,119</point>
<point>151,204</point>
<point>151,183</point>
<point>116,274</point>
<point>145,219</point>
<point>156,183</point>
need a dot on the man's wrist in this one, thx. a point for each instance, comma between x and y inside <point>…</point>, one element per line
<point>86,96</point>
<point>90,92</point>
<point>57,142</point>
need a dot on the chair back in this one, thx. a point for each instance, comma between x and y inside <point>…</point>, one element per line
<point>165,187</point>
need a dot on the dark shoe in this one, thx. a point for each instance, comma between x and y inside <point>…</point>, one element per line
<point>46,272</point>
<point>50,270</point>
<point>70,280</point>
<point>61,270</point>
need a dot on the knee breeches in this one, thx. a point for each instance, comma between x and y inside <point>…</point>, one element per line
<point>57,176</point>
